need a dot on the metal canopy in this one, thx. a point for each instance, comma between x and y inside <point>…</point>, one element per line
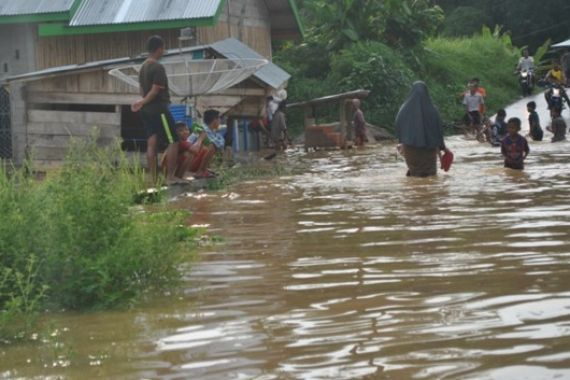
<point>270,74</point>
<point>358,94</point>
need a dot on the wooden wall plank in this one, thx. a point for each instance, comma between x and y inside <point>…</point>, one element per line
<point>40,116</point>
<point>47,97</point>
<point>76,130</point>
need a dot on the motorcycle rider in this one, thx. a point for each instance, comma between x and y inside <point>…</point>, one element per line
<point>556,75</point>
<point>555,78</point>
<point>526,63</point>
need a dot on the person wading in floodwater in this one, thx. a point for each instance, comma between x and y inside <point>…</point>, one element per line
<point>359,123</point>
<point>420,132</point>
<point>155,113</point>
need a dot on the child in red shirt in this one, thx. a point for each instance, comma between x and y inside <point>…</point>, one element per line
<point>189,157</point>
<point>514,147</point>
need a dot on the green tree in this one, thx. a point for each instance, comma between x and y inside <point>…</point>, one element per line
<point>465,21</point>
<point>400,23</point>
<point>530,22</point>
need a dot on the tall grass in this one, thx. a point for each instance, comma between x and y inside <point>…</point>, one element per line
<point>74,241</point>
<point>451,62</point>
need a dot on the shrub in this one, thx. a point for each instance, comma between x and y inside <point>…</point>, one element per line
<point>378,68</point>
<point>75,241</point>
<point>451,62</point>
<point>445,64</point>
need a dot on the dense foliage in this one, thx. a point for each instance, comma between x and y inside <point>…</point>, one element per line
<point>383,46</point>
<point>530,22</point>
<point>450,62</point>
<point>338,24</point>
<point>74,241</point>
<point>445,64</point>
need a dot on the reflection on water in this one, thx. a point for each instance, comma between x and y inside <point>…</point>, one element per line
<point>352,270</point>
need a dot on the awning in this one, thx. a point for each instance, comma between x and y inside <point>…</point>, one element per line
<point>270,74</point>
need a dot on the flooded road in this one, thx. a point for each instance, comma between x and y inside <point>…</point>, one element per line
<point>352,271</point>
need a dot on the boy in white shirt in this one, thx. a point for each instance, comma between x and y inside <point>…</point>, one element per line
<point>473,102</point>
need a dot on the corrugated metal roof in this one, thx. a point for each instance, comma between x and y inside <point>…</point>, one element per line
<point>109,12</point>
<point>31,7</point>
<point>270,74</point>
<point>89,66</point>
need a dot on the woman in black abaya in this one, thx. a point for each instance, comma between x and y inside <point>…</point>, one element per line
<point>419,129</point>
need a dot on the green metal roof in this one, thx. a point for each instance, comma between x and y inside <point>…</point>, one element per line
<point>75,17</point>
<point>29,11</point>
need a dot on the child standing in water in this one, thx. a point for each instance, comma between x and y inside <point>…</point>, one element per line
<point>499,128</point>
<point>536,132</point>
<point>558,126</point>
<point>514,147</point>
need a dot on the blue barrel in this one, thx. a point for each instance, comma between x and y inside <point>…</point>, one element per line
<point>180,114</point>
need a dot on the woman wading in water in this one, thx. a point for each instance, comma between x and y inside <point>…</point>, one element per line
<point>420,132</point>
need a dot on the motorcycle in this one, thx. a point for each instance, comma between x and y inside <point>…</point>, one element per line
<point>555,96</point>
<point>526,81</point>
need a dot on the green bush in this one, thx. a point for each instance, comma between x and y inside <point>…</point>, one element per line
<point>376,67</point>
<point>445,64</point>
<point>75,241</point>
<point>451,62</point>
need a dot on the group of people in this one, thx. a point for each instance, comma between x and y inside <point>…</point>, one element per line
<point>474,98</point>
<point>189,151</point>
<point>185,151</point>
<point>192,151</point>
<point>420,132</point>
<point>418,125</point>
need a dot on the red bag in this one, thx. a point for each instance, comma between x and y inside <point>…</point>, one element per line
<point>446,160</point>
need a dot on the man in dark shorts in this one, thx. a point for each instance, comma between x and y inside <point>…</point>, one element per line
<point>155,113</point>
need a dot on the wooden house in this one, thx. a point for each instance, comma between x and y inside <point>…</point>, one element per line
<point>55,68</point>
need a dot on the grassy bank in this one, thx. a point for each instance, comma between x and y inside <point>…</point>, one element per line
<point>75,242</point>
<point>445,64</point>
<point>450,62</point>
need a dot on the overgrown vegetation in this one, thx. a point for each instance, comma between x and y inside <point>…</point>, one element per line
<point>451,62</point>
<point>383,46</point>
<point>74,241</point>
<point>445,64</point>
<point>529,22</point>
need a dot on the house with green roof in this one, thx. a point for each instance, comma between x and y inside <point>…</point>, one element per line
<point>55,54</point>
<point>38,34</point>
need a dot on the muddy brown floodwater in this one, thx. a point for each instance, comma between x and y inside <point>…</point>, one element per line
<point>349,271</point>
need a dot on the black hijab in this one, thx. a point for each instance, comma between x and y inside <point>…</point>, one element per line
<point>418,123</point>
